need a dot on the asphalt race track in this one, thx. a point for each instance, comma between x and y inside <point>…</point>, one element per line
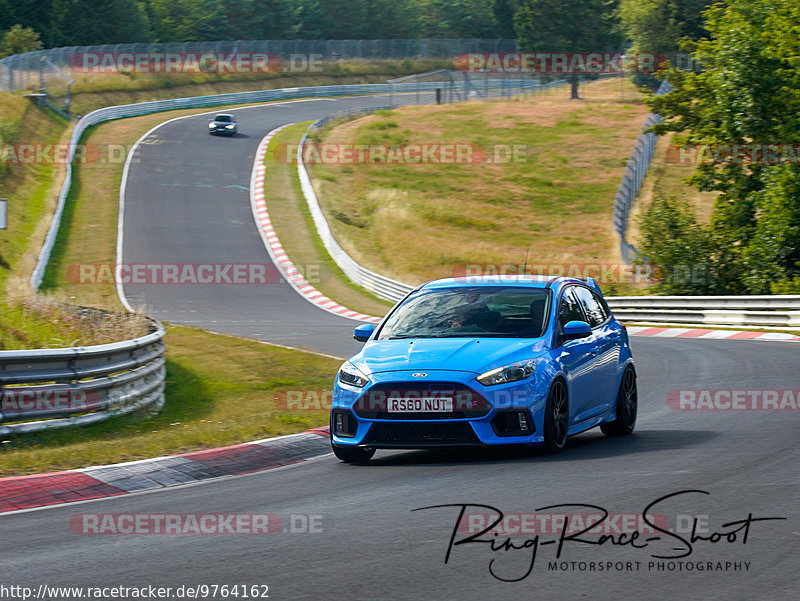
<point>187,200</point>
<point>372,546</point>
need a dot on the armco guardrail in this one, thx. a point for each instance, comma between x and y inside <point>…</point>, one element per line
<point>45,389</point>
<point>145,108</point>
<point>634,175</point>
<point>32,68</point>
<point>750,311</point>
<point>377,284</point>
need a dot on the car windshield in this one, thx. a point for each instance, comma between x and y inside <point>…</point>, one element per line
<point>224,118</point>
<point>475,312</point>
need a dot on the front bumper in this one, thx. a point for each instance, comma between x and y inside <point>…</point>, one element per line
<point>478,420</point>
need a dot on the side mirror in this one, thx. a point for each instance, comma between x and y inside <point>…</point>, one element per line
<point>576,329</point>
<point>363,333</point>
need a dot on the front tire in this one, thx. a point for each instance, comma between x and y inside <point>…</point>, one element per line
<point>627,406</point>
<point>353,454</point>
<point>556,418</point>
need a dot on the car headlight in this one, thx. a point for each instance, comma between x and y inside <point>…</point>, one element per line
<point>349,374</point>
<point>211,126</point>
<point>510,373</point>
<point>229,126</point>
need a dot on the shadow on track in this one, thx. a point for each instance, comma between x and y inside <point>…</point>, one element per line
<point>591,445</point>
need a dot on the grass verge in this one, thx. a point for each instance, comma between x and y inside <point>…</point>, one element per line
<point>221,390</point>
<point>93,90</point>
<point>294,226</point>
<point>416,222</point>
<point>667,177</point>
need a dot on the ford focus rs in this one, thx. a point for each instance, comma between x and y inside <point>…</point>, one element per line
<point>486,361</point>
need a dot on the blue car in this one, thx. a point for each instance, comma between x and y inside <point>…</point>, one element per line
<point>486,361</point>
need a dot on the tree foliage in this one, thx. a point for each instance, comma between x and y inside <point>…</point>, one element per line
<point>567,26</point>
<point>678,247</point>
<point>81,22</point>
<point>747,95</point>
<point>19,39</point>
<point>87,22</point>
<point>659,25</point>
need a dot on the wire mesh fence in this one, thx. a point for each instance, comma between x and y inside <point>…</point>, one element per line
<point>632,180</point>
<point>37,69</point>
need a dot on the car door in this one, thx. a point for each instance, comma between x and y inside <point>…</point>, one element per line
<point>607,340</point>
<point>578,359</point>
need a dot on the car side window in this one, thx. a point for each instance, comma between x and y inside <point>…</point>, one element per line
<point>569,309</point>
<point>591,306</point>
<point>603,306</point>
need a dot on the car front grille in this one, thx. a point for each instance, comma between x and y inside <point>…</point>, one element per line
<point>467,404</point>
<point>421,434</point>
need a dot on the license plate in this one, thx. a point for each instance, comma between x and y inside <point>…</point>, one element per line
<point>423,405</point>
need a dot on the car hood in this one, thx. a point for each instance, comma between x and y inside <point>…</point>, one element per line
<point>475,355</point>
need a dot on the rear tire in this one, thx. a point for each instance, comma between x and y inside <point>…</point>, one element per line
<point>556,418</point>
<point>353,454</point>
<point>627,406</point>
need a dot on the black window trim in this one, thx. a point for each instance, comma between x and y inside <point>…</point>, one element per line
<point>561,294</point>
<point>599,301</point>
<point>558,331</point>
<point>547,311</point>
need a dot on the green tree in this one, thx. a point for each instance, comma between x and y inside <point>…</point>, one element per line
<point>27,13</point>
<point>659,25</point>
<point>504,11</point>
<point>458,19</point>
<point>567,26</point>
<point>748,95</point>
<point>258,19</point>
<point>332,19</point>
<point>391,19</point>
<point>87,22</point>
<point>187,20</point>
<point>19,39</point>
<point>677,247</point>
<point>280,19</point>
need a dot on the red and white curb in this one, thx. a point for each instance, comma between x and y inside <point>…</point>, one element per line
<point>703,333</point>
<point>39,490</point>
<point>307,291</point>
<point>290,273</point>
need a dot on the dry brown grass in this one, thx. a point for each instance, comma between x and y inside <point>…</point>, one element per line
<point>668,178</point>
<point>418,222</point>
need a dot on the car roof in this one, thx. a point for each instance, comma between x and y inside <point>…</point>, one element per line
<point>223,115</point>
<point>527,281</point>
